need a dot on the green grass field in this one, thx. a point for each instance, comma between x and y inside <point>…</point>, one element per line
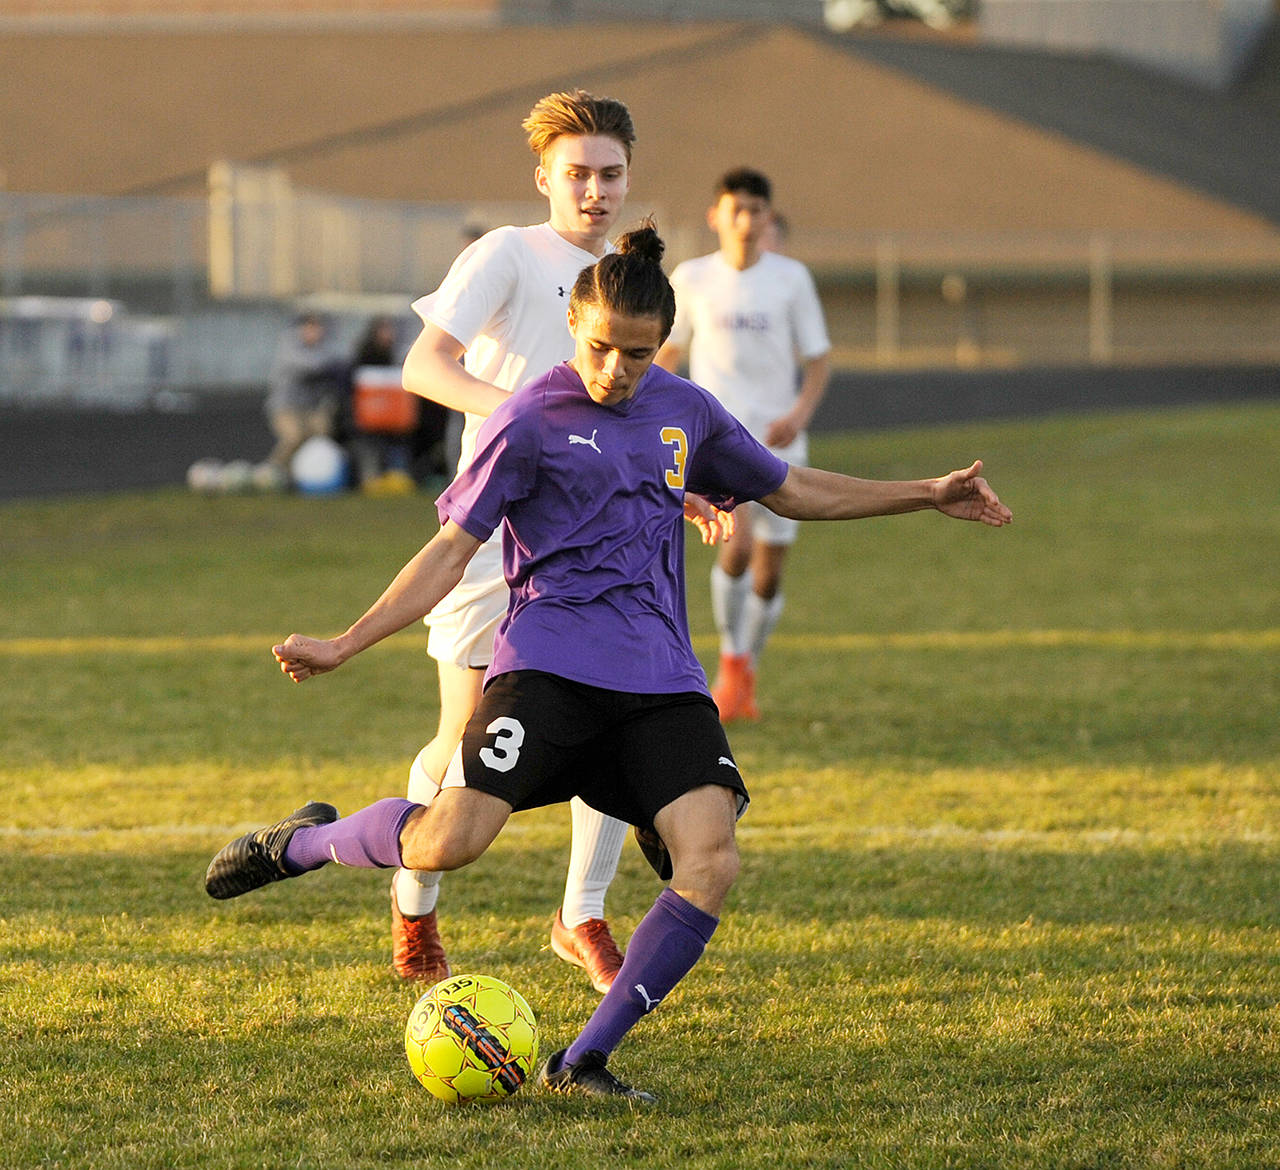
<point>1011,878</point>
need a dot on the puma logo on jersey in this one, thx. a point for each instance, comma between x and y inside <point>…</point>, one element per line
<point>649,1004</point>
<point>725,760</point>
<point>591,442</point>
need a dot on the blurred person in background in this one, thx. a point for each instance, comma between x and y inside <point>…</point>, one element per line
<point>751,325</point>
<point>374,452</point>
<point>305,389</point>
<point>408,449</point>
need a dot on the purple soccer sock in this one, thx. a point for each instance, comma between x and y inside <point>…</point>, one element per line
<point>666,944</point>
<point>369,839</point>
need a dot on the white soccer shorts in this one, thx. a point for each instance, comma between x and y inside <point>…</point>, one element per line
<point>462,627</point>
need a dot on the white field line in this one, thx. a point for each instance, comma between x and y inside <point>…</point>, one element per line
<point>1230,640</point>
<point>942,833</point>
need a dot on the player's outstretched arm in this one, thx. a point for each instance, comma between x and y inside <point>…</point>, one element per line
<point>809,493</point>
<point>432,370</point>
<point>417,588</point>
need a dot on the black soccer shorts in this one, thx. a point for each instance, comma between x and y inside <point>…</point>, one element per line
<point>538,739</point>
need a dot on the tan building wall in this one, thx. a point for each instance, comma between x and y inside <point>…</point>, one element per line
<point>1052,322</point>
<point>859,152</point>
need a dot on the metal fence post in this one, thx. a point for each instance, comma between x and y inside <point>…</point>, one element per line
<point>888,300</point>
<point>1101,312</point>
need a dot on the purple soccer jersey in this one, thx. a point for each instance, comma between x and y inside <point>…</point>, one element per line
<point>593,544</point>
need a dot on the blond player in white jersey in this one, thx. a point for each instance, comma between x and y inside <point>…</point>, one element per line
<point>496,322</point>
<point>751,325</point>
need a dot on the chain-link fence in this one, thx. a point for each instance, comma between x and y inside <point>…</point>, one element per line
<point>118,299</point>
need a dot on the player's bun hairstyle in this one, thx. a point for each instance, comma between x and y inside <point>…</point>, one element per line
<point>746,180</point>
<point>629,280</point>
<point>579,113</point>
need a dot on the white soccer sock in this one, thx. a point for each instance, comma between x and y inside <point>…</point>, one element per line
<point>417,891</point>
<point>728,598</point>
<point>759,617</point>
<point>593,862</point>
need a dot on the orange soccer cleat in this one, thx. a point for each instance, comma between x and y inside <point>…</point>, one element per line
<point>734,692</point>
<point>589,946</point>
<point>417,953</point>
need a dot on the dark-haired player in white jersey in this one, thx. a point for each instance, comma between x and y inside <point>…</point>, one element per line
<point>497,321</point>
<point>750,322</point>
<point>594,689</point>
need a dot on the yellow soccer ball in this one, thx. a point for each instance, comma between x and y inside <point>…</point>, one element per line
<point>471,1038</point>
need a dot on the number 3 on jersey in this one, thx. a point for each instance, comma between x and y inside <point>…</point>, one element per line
<point>508,736</point>
<point>674,437</point>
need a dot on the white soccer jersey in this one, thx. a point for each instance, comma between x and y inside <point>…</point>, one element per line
<point>505,299</point>
<point>745,331</point>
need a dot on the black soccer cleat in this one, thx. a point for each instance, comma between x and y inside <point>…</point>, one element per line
<point>587,1075</point>
<point>257,858</point>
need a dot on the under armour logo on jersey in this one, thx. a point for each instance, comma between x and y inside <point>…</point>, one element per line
<point>563,292</point>
<point>591,442</point>
<point>649,1004</point>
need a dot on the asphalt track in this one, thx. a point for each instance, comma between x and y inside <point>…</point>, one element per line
<point>55,451</point>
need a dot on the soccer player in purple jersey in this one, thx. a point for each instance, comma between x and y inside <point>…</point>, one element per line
<point>594,689</point>
<point>501,310</point>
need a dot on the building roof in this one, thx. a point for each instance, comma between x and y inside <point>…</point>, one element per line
<point>860,133</point>
<point>1224,143</point>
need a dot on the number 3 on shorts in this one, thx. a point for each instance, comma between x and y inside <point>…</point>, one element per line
<point>508,735</point>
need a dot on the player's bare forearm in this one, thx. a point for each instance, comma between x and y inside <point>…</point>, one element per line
<point>432,370</point>
<point>782,432</point>
<point>810,493</point>
<point>813,388</point>
<point>416,590</point>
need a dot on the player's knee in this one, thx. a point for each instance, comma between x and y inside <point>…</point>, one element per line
<point>709,873</point>
<point>457,854</point>
<point>439,843</point>
<point>766,587</point>
<point>766,574</point>
<point>735,557</point>
<point>726,866</point>
<point>437,855</point>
